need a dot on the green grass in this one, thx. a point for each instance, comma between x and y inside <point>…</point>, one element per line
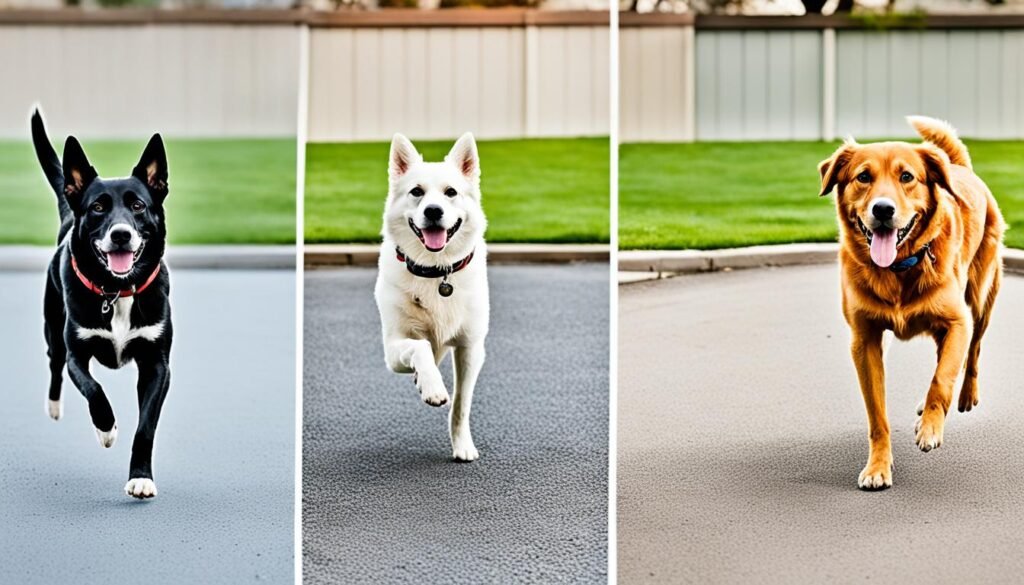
<point>533,190</point>
<point>222,191</point>
<point>721,195</point>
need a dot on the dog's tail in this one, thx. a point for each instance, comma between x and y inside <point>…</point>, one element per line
<point>48,159</point>
<point>944,136</point>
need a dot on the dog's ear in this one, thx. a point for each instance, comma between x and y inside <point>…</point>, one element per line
<point>831,166</point>
<point>152,167</point>
<point>936,164</point>
<point>464,156</point>
<point>78,173</point>
<point>403,156</point>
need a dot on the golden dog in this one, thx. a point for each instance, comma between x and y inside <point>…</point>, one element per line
<point>920,238</point>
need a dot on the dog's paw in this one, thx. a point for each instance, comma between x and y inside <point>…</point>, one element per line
<point>107,438</point>
<point>968,396</point>
<point>432,389</point>
<point>928,434</point>
<point>140,488</point>
<point>55,409</point>
<point>465,451</point>
<point>875,476</point>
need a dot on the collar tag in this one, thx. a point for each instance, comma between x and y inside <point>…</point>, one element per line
<point>912,261</point>
<point>445,289</point>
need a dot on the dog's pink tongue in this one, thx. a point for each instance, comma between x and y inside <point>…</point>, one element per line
<point>435,238</point>
<point>883,247</point>
<point>121,262</point>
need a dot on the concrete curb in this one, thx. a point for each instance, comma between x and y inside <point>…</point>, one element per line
<point>328,255</point>
<point>670,262</point>
<point>36,258</point>
<point>643,265</point>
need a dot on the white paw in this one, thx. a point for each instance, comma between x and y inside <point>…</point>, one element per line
<point>463,448</point>
<point>140,487</point>
<point>432,389</point>
<point>107,438</point>
<point>465,452</point>
<point>55,409</point>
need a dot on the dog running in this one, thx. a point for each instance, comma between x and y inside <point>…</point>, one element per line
<point>107,289</point>
<point>431,288</point>
<point>920,238</point>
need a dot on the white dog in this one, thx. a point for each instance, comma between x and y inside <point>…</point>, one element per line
<point>432,286</point>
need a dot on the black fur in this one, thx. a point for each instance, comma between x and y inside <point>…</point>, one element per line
<point>89,205</point>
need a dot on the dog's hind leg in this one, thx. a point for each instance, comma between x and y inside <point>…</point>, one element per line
<point>99,407</point>
<point>969,391</point>
<point>154,380</point>
<point>468,361</point>
<point>53,313</point>
<point>416,356</point>
<point>866,350</point>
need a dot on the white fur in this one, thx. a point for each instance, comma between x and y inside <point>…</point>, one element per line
<point>106,244</point>
<point>140,487</point>
<point>107,438</point>
<point>121,332</point>
<point>419,325</point>
<point>55,408</point>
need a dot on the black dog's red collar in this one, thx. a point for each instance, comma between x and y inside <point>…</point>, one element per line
<point>432,271</point>
<point>123,293</point>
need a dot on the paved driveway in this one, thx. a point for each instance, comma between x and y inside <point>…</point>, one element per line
<point>224,457</point>
<point>383,503</point>
<point>742,432</point>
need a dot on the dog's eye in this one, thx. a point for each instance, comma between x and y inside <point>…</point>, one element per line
<point>450,192</point>
<point>864,177</point>
<point>98,207</point>
<point>416,192</point>
<point>138,206</point>
<point>906,177</point>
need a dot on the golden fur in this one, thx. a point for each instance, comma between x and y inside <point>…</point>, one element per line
<point>948,296</point>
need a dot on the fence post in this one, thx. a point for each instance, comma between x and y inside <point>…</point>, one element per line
<point>828,84</point>
<point>689,83</point>
<point>531,80</point>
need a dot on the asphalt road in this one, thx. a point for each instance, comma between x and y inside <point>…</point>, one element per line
<point>224,456</point>
<point>383,502</point>
<point>742,432</point>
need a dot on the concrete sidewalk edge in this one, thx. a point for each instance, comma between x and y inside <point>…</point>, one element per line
<point>333,255</point>
<point>36,258</point>
<point>643,265</point>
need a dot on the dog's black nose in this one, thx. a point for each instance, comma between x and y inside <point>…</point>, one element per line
<point>883,210</point>
<point>120,236</point>
<point>433,212</point>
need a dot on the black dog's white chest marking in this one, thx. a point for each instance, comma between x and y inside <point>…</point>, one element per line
<point>121,332</point>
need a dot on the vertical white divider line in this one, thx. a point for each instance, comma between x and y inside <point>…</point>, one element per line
<point>302,131</point>
<point>828,84</point>
<point>689,83</point>
<point>613,286</point>
<point>531,80</point>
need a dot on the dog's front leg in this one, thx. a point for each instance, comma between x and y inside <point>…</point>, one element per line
<point>468,361</point>
<point>99,407</point>
<point>867,358</point>
<point>952,351</point>
<point>415,356</point>
<point>154,380</point>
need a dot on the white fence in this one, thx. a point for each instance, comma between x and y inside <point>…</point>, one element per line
<point>775,79</point>
<point>126,79</point>
<point>203,73</point>
<point>506,74</point>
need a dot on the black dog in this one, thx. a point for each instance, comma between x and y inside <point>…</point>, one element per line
<point>107,288</point>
